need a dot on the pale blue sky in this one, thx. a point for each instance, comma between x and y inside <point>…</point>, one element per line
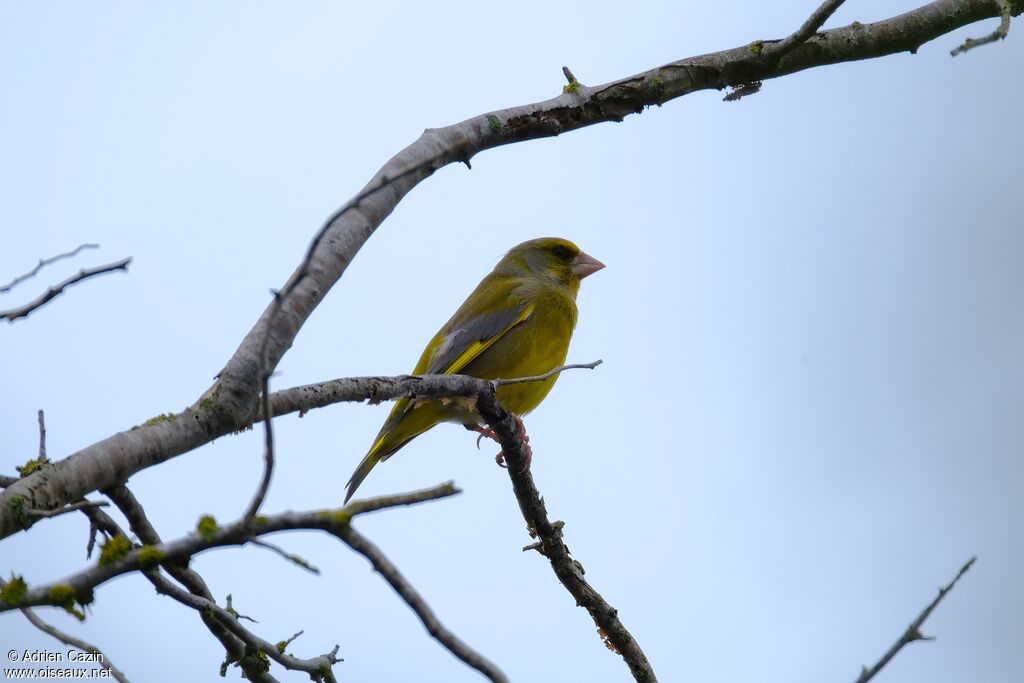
<point>808,415</point>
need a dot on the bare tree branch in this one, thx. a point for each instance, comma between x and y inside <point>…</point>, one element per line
<point>1005,12</point>
<point>434,627</point>
<point>232,403</point>
<point>294,559</point>
<point>569,571</point>
<point>913,631</point>
<point>268,436</point>
<point>104,660</point>
<point>773,52</point>
<point>43,263</point>
<point>71,507</point>
<point>176,554</point>
<point>140,525</point>
<point>236,533</point>
<point>51,293</point>
<point>318,668</point>
<point>67,473</point>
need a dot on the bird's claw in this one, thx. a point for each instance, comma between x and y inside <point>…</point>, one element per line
<point>482,431</point>
<point>500,457</point>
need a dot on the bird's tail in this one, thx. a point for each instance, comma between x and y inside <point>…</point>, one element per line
<point>383,446</point>
<point>371,459</point>
<point>402,426</point>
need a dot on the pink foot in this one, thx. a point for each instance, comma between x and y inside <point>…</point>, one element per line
<point>525,438</point>
<point>500,457</point>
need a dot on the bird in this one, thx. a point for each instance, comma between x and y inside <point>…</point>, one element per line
<point>516,323</point>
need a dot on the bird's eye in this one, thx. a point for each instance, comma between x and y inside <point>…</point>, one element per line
<point>563,252</point>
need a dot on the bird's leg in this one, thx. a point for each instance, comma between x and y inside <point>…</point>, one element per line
<point>520,432</point>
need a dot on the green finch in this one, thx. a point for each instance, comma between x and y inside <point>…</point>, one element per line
<point>516,323</point>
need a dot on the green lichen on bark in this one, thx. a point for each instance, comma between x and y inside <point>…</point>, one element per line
<point>14,591</point>
<point>207,527</point>
<point>114,549</point>
<point>31,466</point>
<point>63,595</point>
<point>150,557</point>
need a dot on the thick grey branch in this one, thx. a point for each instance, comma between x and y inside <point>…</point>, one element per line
<point>51,293</point>
<point>232,403</point>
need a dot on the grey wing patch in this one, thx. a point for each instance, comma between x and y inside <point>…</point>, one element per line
<point>476,329</point>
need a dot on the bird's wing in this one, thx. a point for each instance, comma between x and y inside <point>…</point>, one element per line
<point>472,337</point>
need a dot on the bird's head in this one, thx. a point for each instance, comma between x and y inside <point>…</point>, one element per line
<point>552,258</point>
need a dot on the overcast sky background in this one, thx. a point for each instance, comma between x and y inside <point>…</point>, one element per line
<point>809,413</point>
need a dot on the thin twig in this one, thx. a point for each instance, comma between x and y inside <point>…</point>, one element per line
<point>1005,12</point>
<point>404,589</point>
<point>773,52</point>
<point>104,660</point>
<point>186,576</point>
<point>283,645</point>
<point>913,631</point>
<point>294,559</point>
<point>84,274</point>
<point>42,436</point>
<point>71,507</point>
<point>43,263</point>
<point>546,375</point>
<point>569,571</point>
<point>230,609</point>
<point>317,667</point>
<point>268,429</point>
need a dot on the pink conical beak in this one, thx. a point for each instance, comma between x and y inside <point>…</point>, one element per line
<point>584,264</point>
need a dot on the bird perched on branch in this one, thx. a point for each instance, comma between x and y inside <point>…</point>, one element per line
<point>516,323</point>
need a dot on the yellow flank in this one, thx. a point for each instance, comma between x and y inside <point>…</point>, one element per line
<point>516,323</point>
